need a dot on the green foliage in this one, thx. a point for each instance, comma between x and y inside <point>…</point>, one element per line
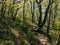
<point>11,16</point>
<point>14,23</point>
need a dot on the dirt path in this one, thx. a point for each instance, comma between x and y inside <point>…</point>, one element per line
<point>43,39</point>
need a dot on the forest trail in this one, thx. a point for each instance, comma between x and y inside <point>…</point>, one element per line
<point>42,38</point>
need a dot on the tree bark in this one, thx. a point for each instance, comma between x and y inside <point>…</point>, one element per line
<point>58,43</point>
<point>24,12</point>
<point>32,10</point>
<point>44,21</point>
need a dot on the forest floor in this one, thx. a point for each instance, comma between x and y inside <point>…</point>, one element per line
<point>43,39</point>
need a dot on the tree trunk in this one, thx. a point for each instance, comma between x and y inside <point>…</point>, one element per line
<point>58,43</point>
<point>24,12</point>
<point>32,10</point>
<point>44,21</point>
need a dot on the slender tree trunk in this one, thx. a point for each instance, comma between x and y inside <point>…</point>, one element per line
<point>3,10</point>
<point>58,43</point>
<point>32,10</point>
<point>14,17</point>
<point>24,12</point>
<point>40,17</point>
<point>40,12</point>
<point>48,27</point>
